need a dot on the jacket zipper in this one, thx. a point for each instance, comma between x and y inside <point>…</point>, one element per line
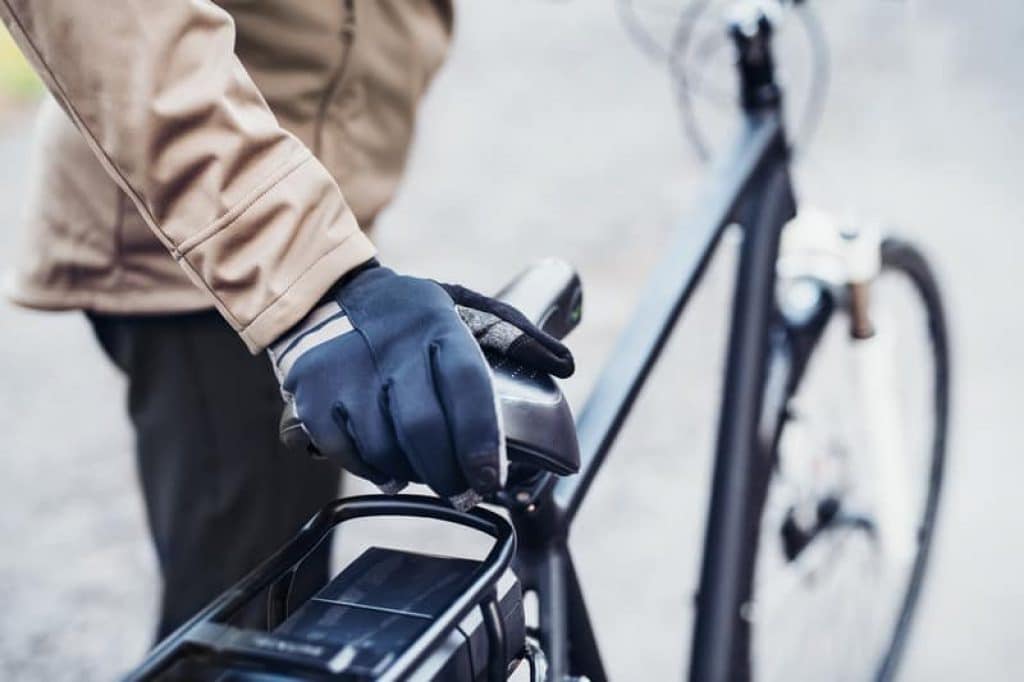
<point>348,32</point>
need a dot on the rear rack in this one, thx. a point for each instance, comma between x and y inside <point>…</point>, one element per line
<point>208,636</point>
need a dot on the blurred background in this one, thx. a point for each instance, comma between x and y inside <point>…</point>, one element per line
<point>555,129</point>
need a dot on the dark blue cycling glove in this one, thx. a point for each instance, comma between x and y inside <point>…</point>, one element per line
<point>387,378</point>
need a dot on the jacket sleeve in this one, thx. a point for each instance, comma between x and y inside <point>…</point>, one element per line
<point>174,118</point>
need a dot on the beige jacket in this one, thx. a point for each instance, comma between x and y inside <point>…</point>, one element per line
<point>224,150</point>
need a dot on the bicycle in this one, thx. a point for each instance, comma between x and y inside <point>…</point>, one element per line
<point>787,504</point>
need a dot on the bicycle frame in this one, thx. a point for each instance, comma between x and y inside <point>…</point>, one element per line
<point>750,188</point>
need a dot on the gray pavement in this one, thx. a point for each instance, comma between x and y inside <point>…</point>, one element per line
<point>549,133</point>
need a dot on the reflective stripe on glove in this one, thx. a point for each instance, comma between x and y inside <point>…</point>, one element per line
<point>386,379</point>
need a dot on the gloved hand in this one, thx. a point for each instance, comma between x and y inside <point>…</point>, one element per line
<point>387,378</point>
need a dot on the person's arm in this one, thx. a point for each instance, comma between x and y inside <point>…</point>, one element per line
<point>383,361</point>
<point>167,107</point>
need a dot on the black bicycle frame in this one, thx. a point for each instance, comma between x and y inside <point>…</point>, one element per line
<point>750,188</point>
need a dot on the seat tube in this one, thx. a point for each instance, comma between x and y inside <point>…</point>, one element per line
<point>721,639</point>
<point>721,635</point>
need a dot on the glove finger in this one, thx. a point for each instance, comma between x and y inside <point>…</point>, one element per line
<point>464,385</point>
<point>367,420</point>
<point>351,448</point>
<point>528,351</point>
<point>341,447</point>
<point>503,329</point>
<point>421,429</point>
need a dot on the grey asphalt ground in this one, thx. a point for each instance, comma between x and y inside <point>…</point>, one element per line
<point>549,133</point>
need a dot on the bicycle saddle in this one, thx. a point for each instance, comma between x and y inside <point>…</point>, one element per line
<point>539,428</point>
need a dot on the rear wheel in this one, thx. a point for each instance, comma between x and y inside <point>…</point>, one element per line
<point>847,512</point>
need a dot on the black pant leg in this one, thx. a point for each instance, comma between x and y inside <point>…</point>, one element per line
<point>221,492</point>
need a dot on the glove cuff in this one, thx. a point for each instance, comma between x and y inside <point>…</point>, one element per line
<point>326,321</point>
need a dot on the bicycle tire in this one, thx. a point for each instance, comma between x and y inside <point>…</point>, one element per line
<point>898,257</point>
